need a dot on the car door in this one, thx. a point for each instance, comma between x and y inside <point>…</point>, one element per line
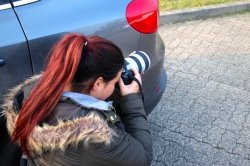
<point>15,65</point>
<point>15,62</point>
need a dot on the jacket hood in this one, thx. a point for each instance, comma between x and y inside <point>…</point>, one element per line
<point>91,128</point>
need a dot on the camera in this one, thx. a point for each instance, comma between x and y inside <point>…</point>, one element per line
<point>138,60</point>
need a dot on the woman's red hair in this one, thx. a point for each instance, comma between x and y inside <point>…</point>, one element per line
<point>61,68</point>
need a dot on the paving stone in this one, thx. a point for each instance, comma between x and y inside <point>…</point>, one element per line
<point>171,154</point>
<point>227,125</point>
<point>159,145</point>
<point>239,116</point>
<point>175,137</point>
<point>222,158</point>
<point>171,125</point>
<point>192,156</point>
<point>238,160</point>
<point>204,122</point>
<point>214,135</point>
<point>228,141</point>
<point>181,162</point>
<point>154,163</point>
<point>192,132</point>
<point>244,140</point>
<point>241,151</point>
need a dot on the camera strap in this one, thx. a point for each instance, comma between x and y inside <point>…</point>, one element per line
<point>140,87</point>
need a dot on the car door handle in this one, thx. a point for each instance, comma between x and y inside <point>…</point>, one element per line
<point>2,62</point>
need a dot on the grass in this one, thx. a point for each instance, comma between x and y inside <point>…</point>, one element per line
<point>181,4</point>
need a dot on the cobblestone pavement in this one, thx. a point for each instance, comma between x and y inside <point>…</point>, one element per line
<point>204,115</point>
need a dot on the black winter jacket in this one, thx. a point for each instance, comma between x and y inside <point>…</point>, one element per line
<point>75,135</point>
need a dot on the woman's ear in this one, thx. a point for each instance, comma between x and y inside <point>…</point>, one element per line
<point>97,88</point>
<point>98,85</point>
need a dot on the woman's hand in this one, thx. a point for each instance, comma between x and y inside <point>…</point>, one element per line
<point>131,88</point>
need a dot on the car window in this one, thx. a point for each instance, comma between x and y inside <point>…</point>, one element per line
<point>3,2</point>
<point>16,3</point>
<point>15,0</point>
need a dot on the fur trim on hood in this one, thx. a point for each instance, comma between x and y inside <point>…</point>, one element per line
<point>90,128</point>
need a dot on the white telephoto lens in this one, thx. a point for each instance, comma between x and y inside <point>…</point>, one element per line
<point>138,60</point>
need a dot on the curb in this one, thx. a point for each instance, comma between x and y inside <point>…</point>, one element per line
<point>203,12</point>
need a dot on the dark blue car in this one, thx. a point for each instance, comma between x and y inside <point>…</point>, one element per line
<point>29,28</point>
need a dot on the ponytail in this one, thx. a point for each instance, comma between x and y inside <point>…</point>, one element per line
<point>61,68</point>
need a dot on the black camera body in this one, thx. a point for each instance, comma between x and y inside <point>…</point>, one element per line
<point>127,75</point>
<point>138,60</point>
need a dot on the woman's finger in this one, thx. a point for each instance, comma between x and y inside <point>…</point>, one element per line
<point>136,74</point>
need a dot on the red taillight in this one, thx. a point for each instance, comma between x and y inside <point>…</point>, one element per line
<point>143,15</point>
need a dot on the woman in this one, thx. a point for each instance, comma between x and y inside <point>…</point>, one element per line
<point>61,117</point>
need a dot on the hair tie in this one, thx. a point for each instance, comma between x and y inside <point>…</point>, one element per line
<point>86,43</point>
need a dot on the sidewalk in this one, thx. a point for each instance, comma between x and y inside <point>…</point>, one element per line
<point>203,12</point>
<point>203,118</point>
